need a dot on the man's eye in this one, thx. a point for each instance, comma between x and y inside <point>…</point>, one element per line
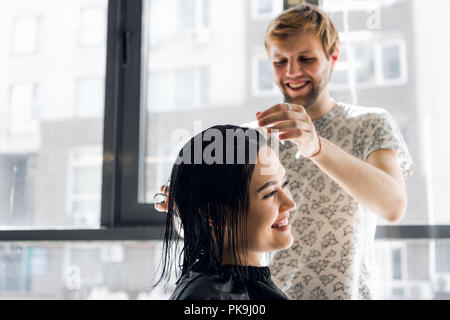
<point>285,184</point>
<point>307,60</point>
<point>279,63</point>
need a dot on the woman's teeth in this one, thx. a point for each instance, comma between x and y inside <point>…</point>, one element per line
<point>281,224</point>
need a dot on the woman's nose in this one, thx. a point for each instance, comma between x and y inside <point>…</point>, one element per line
<point>287,203</point>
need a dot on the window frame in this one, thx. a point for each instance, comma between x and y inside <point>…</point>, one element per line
<point>380,80</point>
<point>122,217</point>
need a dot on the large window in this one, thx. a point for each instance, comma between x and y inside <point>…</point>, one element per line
<point>201,82</point>
<point>81,270</point>
<point>52,102</point>
<point>97,96</point>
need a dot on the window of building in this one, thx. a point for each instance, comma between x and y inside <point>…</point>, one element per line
<point>25,35</point>
<point>92,27</point>
<point>192,14</point>
<point>89,97</point>
<point>181,89</point>
<point>262,76</point>
<point>372,64</point>
<point>24,107</point>
<point>391,62</point>
<point>266,9</point>
<point>84,186</point>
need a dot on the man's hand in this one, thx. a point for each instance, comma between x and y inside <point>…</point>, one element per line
<point>164,206</point>
<point>294,125</point>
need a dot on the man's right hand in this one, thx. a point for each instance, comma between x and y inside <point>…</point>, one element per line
<point>163,207</point>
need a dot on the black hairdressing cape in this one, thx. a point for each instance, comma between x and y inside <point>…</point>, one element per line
<point>232,283</point>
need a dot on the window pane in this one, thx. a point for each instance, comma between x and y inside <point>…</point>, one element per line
<point>25,34</point>
<point>397,264</point>
<point>186,14</point>
<point>391,62</point>
<point>51,112</point>
<point>81,270</point>
<point>340,77</point>
<point>366,66</point>
<point>24,107</point>
<point>159,91</point>
<point>90,97</point>
<point>196,81</point>
<point>266,9</point>
<point>265,79</point>
<point>382,47</point>
<point>126,270</point>
<point>265,6</point>
<point>184,86</point>
<point>92,26</point>
<point>86,180</point>
<point>412,270</point>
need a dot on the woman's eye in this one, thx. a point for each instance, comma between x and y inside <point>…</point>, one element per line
<point>284,185</point>
<point>270,194</point>
<point>279,63</point>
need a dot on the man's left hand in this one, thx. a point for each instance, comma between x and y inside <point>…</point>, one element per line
<point>295,125</point>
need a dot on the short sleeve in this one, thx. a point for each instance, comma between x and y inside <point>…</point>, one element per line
<point>384,133</point>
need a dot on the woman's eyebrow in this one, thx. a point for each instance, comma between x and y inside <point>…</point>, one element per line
<point>268,184</point>
<point>265,185</point>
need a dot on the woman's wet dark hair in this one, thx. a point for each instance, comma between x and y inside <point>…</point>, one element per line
<point>209,196</point>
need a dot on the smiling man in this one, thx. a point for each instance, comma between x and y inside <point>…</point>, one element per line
<point>346,164</point>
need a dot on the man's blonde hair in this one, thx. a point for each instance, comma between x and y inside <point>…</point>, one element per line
<point>303,18</point>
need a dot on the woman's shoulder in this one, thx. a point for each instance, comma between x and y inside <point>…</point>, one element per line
<point>204,286</point>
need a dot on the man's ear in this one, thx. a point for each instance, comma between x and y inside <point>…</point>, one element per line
<point>334,56</point>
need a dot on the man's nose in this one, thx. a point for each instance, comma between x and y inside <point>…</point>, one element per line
<point>294,69</point>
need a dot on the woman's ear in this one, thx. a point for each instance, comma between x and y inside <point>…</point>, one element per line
<point>210,222</point>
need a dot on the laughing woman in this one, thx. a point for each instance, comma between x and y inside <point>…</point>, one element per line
<point>231,211</point>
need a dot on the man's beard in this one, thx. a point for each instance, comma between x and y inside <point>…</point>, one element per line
<point>311,98</point>
<point>306,101</point>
